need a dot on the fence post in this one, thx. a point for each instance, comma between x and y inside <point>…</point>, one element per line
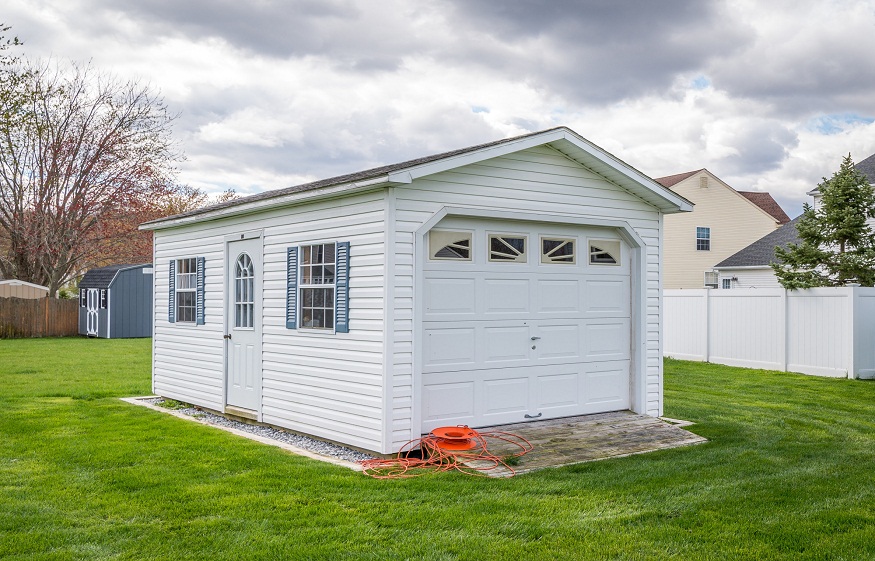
<point>707,330</point>
<point>783,331</point>
<point>851,292</point>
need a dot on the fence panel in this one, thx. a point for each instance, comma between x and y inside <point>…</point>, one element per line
<point>821,331</point>
<point>40,317</point>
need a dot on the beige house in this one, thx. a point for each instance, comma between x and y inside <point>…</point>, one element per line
<point>723,222</point>
<point>12,288</point>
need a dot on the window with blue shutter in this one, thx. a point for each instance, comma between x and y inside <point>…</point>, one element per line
<point>341,313</point>
<point>317,287</point>
<point>199,314</point>
<point>291,287</point>
<point>171,305</point>
<point>186,286</point>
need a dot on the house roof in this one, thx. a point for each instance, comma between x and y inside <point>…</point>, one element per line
<point>562,139</point>
<point>102,277</point>
<point>768,204</point>
<point>671,180</point>
<point>761,199</point>
<point>866,166</point>
<point>761,253</point>
<point>16,282</point>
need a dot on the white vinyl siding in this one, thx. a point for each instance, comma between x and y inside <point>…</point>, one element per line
<point>325,384</point>
<point>537,180</point>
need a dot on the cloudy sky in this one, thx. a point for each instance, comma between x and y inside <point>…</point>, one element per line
<point>767,95</point>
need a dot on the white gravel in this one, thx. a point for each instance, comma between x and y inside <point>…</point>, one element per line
<point>307,443</point>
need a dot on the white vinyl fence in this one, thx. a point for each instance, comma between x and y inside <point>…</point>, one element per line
<point>820,331</point>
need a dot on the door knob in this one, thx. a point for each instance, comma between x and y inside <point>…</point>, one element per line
<point>228,336</point>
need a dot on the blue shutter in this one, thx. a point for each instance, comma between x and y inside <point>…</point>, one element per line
<point>341,293</point>
<point>171,303</point>
<point>292,288</point>
<point>199,302</point>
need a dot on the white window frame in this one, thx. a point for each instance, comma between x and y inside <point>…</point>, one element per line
<point>183,280</point>
<point>611,247</point>
<point>711,276</point>
<point>435,245</point>
<point>545,259</point>
<point>520,258</point>
<point>726,283</point>
<point>706,240</point>
<point>322,285</point>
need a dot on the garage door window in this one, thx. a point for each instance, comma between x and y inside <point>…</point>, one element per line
<point>557,250</point>
<point>449,246</point>
<point>604,252</point>
<point>507,248</point>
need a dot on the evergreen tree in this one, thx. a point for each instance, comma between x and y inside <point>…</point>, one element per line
<point>837,245</point>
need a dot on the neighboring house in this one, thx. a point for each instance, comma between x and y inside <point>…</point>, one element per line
<point>751,267</point>
<point>866,166</point>
<point>509,281</point>
<point>724,221</point>
<point>115,302</point>
<point>12,288</point>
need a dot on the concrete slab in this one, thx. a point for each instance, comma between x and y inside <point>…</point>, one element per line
<point>574,440</point>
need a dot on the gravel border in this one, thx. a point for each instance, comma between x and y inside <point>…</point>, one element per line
<point>318,449</point>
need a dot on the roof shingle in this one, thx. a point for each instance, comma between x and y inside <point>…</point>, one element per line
<point>761,253</point>
<point>768,204</point>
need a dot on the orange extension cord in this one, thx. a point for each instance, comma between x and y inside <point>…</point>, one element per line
<point>477,460</point>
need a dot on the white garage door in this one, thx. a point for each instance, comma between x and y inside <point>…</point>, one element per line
<point>524,321</point>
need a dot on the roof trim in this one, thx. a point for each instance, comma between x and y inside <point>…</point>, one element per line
<point>16,282</point>
<point>563,139</point>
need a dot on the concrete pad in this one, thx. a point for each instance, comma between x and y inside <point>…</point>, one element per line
<point>574,440</point>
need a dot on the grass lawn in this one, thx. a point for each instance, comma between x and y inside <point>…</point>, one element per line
<point>789,474</point>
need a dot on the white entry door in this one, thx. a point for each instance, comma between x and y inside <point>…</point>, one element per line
<point>243,302</point>
<point>524,322</point>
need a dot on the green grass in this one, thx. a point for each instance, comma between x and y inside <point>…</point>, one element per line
<point>789,474</point>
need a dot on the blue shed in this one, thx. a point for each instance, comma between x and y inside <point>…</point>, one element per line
<point>115,302</point>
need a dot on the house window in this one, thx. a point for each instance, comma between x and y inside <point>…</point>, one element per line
<point>703,238</point>
<point>604,252</point>
<point>450,246</point>
<point>710,279</point>
<point>186,289</point>
<point>727,283</point>
<point>507,248</point>
<point>557,250</point>
<point>317,286</point>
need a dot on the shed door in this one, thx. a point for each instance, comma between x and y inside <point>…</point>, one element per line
<point>92,315</point>
<point>243,303</point>
<point>527,329</point>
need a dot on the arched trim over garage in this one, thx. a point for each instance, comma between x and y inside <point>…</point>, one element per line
<point>638,374</point>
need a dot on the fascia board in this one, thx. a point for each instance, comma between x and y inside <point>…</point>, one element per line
<point>266,204</point>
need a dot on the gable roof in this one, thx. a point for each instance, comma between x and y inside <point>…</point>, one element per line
<point>865,166</point>
<point>763,200</point>
<point>562,139</point>
<point>761,253</point>
<point>670,180</point>
<point>768,204</point>
<point>102,277</point>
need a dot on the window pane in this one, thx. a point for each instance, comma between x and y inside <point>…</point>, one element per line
<point>329,319</point>
<point>329,253</point>
<point>318,318</point>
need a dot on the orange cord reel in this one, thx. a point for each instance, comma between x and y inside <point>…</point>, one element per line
<point>455,438</point>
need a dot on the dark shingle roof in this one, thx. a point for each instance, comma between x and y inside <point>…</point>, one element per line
<point>670,180</point>
<point>867,166</point>
<point>102,276</point>
<point>768,204</point>
<point>761,253</point>
<point>349,178</point>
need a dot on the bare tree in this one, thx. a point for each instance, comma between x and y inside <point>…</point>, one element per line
<point>79,151</point>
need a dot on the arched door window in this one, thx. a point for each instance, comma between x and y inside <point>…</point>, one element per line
<point>244,293</point>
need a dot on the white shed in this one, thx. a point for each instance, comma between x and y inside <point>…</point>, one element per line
<point>509,281</point>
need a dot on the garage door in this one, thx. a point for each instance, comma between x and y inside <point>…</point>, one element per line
<point>524,322</point>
